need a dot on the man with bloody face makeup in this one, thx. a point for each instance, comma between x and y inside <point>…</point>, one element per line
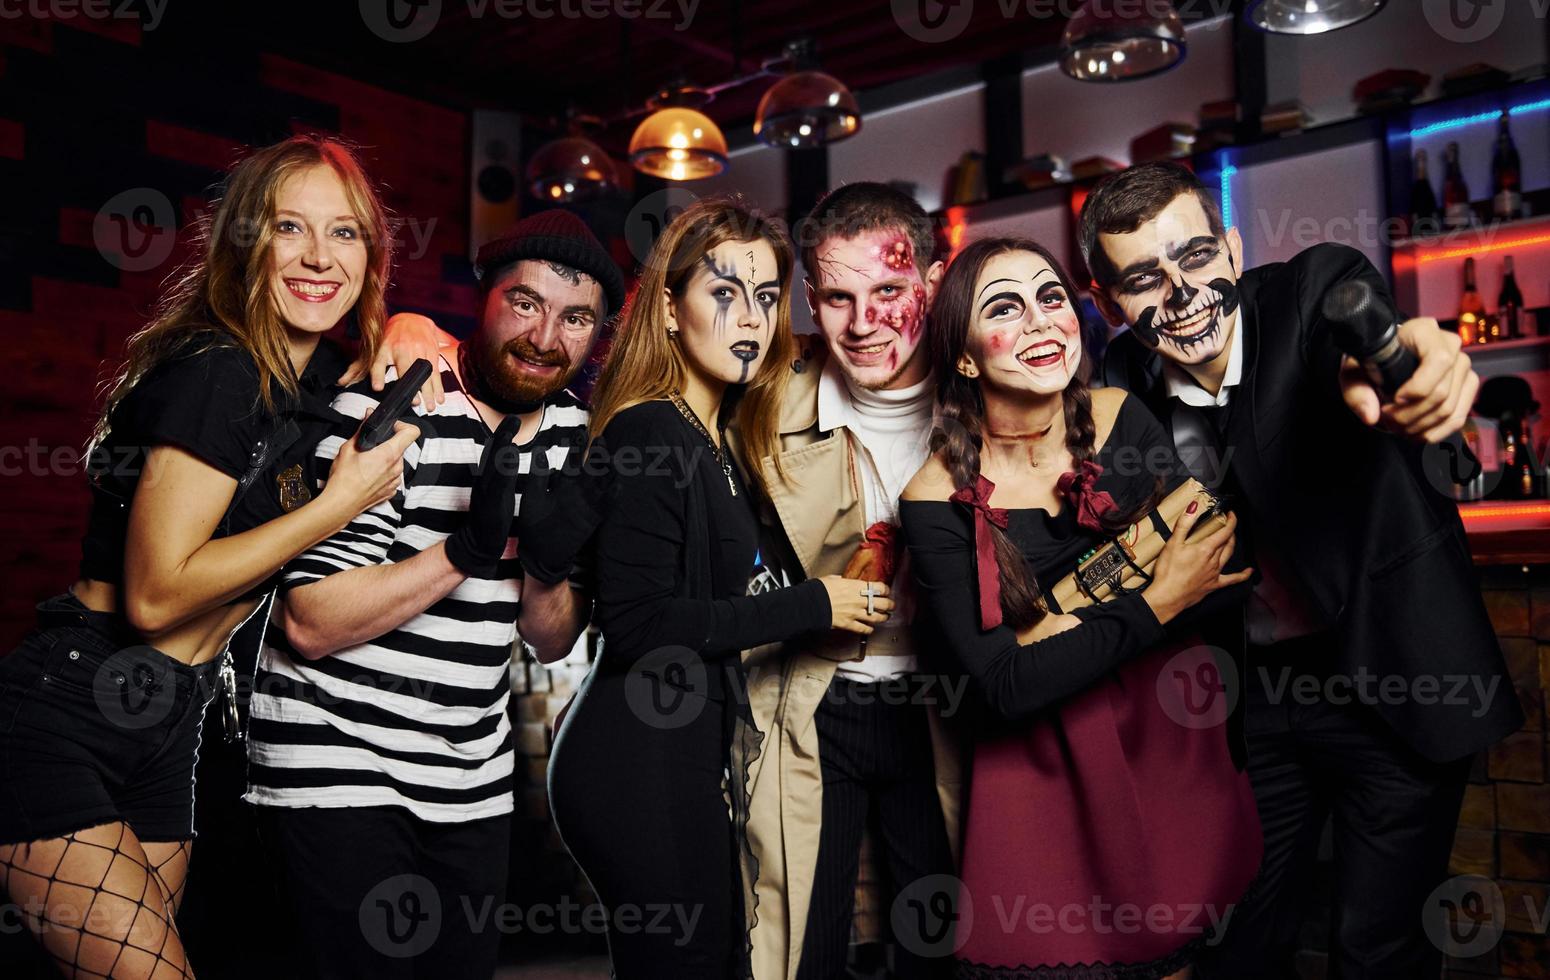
<point>380,751</point>
<point>854,743</point>
<point>1366,585</point>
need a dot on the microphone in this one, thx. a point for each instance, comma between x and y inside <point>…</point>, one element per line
<point>1366,328</point>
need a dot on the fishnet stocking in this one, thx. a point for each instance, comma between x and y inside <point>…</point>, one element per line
<point>99,905</point>
<point>169,865</point>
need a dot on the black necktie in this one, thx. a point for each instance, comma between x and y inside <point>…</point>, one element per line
<point>1198,435</point>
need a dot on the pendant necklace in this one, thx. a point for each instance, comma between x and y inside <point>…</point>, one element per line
<point>694,420</point>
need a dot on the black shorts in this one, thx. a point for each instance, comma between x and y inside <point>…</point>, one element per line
<point>97,727</point>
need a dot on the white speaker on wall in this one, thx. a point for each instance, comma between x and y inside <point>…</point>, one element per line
<point>495,178</point>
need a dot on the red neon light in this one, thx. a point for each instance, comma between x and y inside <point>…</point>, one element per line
<point>1458,253</point>
<point>1495,511</point>
<point>1078,198</point>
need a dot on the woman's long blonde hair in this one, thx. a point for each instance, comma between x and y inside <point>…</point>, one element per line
<point>646,364</point>
<point>224,290</point>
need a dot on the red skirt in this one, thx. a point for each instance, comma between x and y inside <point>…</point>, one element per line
<point>1110,834</point>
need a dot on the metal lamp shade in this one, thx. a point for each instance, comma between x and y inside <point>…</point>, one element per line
<point>807,109</point>
<point>1310,16</point>
<point>570,169</point>
<point>1109,42</point>
<point>678,143</point>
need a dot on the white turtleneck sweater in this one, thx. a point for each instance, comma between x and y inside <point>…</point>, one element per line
<point>891,432</point>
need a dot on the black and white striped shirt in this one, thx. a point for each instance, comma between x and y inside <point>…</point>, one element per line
<point>416,717</point>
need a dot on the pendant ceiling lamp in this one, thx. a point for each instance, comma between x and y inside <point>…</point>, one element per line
<point>1310,16</point>
<point>572,168</point>
<point>1116,42</point>
<point>807,107</point>
<point>677,141</point>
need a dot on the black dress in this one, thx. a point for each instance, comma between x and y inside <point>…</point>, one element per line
<point>637,772</point>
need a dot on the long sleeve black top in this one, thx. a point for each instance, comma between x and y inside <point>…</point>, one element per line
<point>676,549</point>
<point>1015,680</point>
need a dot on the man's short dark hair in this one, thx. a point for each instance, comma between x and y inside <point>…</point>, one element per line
<point>560,238</point>
<point>851,209</point>
<point>1127,200</point>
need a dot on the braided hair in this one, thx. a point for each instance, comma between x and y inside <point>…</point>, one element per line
<point>960,438</point>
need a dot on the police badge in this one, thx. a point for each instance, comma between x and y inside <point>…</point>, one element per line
<point>293,488</point>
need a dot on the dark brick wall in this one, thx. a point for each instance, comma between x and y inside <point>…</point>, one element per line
<point>1504,829</point>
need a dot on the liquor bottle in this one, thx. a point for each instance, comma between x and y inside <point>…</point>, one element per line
<point>1506,175</point>
<point>1521,478</point>
<point>1425,217</point>
<point>1509,482</point>
<point>1457,212</point>
<point>1472,325</point>
<point>1474,488</point>
<point>1529,480</point>
<point>1509,303</point>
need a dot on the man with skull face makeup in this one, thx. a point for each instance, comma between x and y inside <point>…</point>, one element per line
<point>1365,571</point>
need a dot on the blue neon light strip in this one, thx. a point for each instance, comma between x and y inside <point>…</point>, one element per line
<point>1479,117</point>
<point>1228,172</point>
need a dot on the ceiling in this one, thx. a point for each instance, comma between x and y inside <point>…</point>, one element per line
<point>498,54</point>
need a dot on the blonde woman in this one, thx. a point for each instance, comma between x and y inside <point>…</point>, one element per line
<point>636,781</point>
<point>195,507</point>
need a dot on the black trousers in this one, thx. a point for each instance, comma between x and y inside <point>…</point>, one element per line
<point>636,793</point>
<point>874,746</point>
<point>1313,757</point>
<point>376,893</point>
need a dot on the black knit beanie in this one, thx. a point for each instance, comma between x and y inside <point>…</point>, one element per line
<point>553,236</point>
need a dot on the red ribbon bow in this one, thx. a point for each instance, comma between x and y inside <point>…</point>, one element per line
<point>1091,505</point>
<point>977,498</point>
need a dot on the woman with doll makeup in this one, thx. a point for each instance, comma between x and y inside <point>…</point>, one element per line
<point>1105,819</point>
<point>640,759</point>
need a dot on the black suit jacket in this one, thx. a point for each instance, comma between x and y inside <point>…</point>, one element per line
<point>1346,507</point>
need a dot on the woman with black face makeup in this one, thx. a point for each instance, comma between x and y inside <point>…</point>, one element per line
<point>640,778</point>
<point>1103,810</point>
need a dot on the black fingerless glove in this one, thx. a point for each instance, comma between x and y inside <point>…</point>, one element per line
<point>475,547</point>
<point>559,513</point>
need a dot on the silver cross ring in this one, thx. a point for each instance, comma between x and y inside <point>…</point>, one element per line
<point>870,593</point>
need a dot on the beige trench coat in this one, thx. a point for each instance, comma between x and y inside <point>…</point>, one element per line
<point>822,517</point>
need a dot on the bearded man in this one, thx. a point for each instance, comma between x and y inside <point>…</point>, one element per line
<point>380,751</point>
